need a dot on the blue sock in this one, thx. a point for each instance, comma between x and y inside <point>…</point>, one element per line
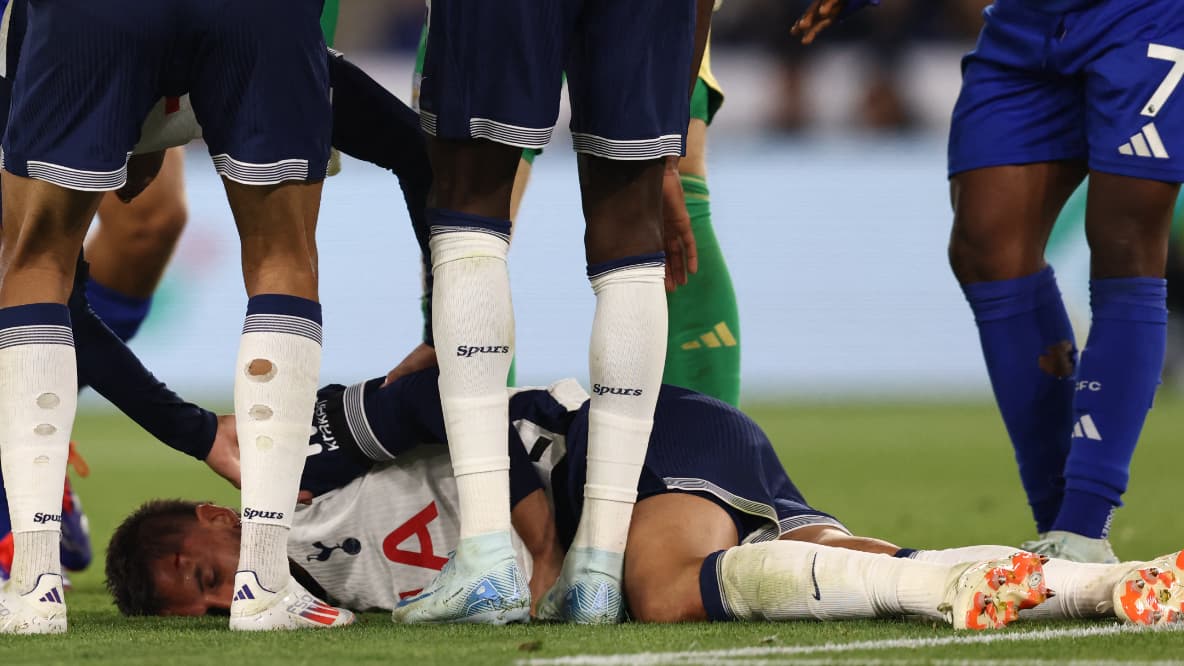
<point>122,314</point>
<point>5,525</point>
<point>711,590</point>
<point>1119,372</point>
<point>1030,352</point>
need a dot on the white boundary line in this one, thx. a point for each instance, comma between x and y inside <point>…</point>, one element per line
<point>730,656</point>
<point>856,661</point>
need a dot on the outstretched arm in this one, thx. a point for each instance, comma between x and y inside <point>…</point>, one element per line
<point>113,370</point>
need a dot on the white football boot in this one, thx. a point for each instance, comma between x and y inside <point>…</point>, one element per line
<point>255,608</point>
<point>1152,593</point>
<point>480,584</point>
<point>1072,547</point>
<point>588,590</point>
<point>991,594</point>
<point>41,611</point>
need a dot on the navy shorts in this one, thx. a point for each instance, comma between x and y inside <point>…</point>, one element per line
<point>89,72</point>
<point>494,70</point>
<point>1100,84</point>
<point>703,446</point>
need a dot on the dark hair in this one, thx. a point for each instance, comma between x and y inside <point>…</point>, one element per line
<point>151,532</point>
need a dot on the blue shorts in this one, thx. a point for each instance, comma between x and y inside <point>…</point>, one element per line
<point>709,448</point>
<point>1100,84</point>
<point>89,72</point>
<point>494,70</point>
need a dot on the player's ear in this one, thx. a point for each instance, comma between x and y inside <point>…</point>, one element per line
<point>212,514</point>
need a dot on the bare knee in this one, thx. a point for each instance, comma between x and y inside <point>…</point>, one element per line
<point>981,250</point>
<point>475,177</point>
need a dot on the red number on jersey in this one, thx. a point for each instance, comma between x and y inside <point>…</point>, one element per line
<point>417,527</point>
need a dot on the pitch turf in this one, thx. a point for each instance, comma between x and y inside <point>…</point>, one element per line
<point>919,475</point>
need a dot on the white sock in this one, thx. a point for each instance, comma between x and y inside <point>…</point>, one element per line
<point>964,554</point>
<point>795,580</point>
<point>1082,590</point>
<point>274,394</point>
<point>473,324</point>
<point>626,358</point>
<point>38,400</point>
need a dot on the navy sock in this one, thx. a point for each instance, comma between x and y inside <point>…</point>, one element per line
<point>711,590</point>
<point>5,525</point>
<point>905,553</point>
<point>1119,372</point>
<point>1028,345</point>
<point>122,314</point>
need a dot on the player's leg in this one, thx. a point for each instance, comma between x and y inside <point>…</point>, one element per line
<point>1016,153</point>
<point>1003,216</point>
<point>267,60</point>
<point>621,161</point>
<point>1135,122</point>
<point>703,344</point>
<point>55,173</point>
<point>674,575</point>
<point>1127,225</point>
<point>132,245</point>
<point>480,123</point>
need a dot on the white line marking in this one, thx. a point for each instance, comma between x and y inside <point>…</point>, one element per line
<point>713,657</point>
<point>934,662</point>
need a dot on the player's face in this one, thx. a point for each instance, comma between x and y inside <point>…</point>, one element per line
<point>199,578</point>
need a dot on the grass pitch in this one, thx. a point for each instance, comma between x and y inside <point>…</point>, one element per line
<point>918,475</point>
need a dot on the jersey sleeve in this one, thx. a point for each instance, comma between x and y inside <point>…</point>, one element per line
<point>107,365</point>
<point>371,124</point>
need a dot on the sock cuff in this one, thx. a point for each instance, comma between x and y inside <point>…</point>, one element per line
<point>905,553</point>
<point>1094,504</point>
<point>98,291</point>
<point>1139,299</point>
<point>36,324</point>
<point>442,221</point>
<point>281,313</point>
<point>694,184</point>
<point>711,590</point>
<point>1003,299</point>
<point>35,314</point>
<point>606,268</point>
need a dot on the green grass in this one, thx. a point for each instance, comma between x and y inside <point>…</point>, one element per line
<point>918,475</point>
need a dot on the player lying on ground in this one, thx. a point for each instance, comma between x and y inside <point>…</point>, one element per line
<point>719,531</point>
<point>1055,91</point>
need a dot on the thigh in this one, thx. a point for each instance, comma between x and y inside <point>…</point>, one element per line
<point>131,247</point>
<point>87,76</point>
<point>1135,105</point>
<point>628,69</point>
<point>669,537</point>
<point>1128,223</point>
<point>260,90</point>
<point>494,70</point>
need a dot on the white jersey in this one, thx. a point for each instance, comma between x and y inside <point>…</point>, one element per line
<point>384,536</point>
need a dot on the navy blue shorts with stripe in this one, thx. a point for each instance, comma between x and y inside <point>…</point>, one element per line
<point>89,72</point>
<point>1099,84</point>
<point>706,447</point>
<point>494,70</point>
